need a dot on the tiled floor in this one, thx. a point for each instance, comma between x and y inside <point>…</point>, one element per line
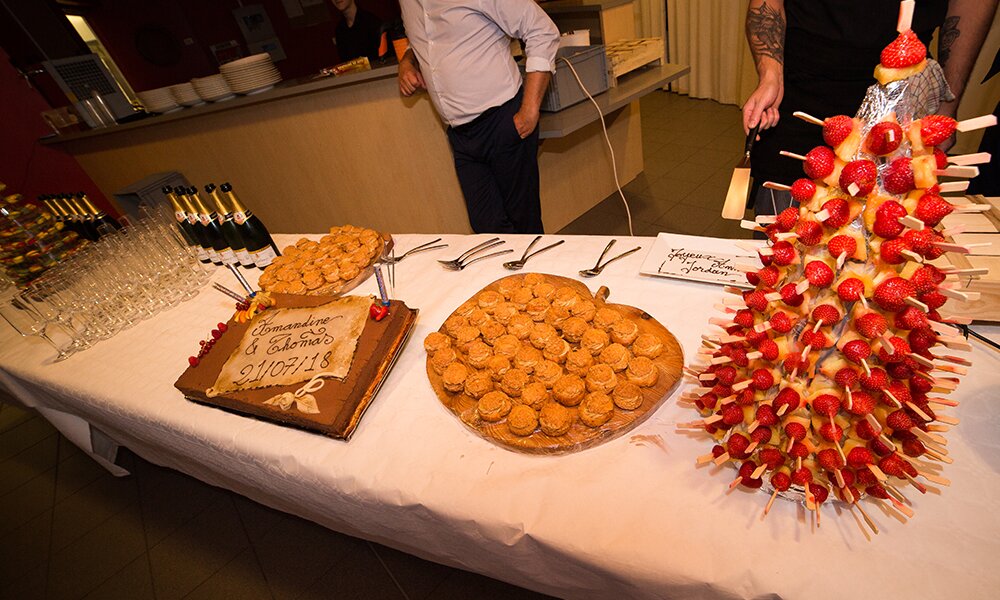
<point>68,529</point>
<point>690,148</point>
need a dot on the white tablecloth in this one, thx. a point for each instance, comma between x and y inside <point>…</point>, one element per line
<point>629,518</point>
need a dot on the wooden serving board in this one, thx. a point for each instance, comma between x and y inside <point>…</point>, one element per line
<point>580,436</point>
<point>341,403</point>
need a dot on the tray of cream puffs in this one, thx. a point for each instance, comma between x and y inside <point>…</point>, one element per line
<point>538,364</point>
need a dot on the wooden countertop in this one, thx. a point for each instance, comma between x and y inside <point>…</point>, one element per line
<point>553,125</point>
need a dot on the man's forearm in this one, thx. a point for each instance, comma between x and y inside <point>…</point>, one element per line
<point>960,41</point>
<point>535,84</point>
<point>765,30</point>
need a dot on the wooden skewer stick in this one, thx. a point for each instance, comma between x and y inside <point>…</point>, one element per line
<point>979,158</point>
<point>788,235</point>
<point>749,247</point>
<point>721,458</point>
<point>704,459</point>
<point>959,171</point>
<point>739,387</point>
<point>905,15</point>
<point>766,219</point>
<point>910,300</point>
<point>952,270</point>
<point>808,118</point>
<point>920,487</point>
<point>953,369</point>
<point>946,419</point>
<point>928,437</point>
<point>945,329</point>
<point>895,401</point>
<point>735,482</point>
<point>960,248</point>
<point>960,296</point>
<point>957,320</point>
<point>752,447</point>
<point>770,502</point>
<point>877,472</point>
<point>906,510</point>
<point>934,478</point>
<point>912,222</point>
<point>754,355</point>
<point>916,409</point>
<point>779,186</point>
<point>792,155</point>
<point>976,123</point>
<point>943,402</point>
<point>953,186</point>
<point>938,456</point>
<point>895,492</point>
<point>953,231</point>
<point>921,360</point>
<point>750,225</point>
<point>758,472</point>
<point>868,520</point>
<point>746,268</point>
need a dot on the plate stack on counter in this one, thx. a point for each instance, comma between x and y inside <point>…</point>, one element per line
<point>252,74</point>
<point>185,94</point>
<point>159,100</point>
<point>212,88</point>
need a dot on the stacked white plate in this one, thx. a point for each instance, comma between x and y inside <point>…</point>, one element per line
<point>212,88</point>
<point>252,74</point>
<point>159,100</point>
<point>185,95</point>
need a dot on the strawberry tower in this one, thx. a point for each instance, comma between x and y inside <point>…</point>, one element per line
<point>830,380</point>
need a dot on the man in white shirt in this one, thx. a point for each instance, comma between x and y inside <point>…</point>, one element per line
<point>460,52</point>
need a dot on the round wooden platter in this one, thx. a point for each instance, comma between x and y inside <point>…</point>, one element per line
<point>580,436</point>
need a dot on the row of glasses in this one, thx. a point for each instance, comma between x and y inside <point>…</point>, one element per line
<point>128,275</point>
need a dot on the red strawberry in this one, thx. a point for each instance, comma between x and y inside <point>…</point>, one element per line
<point>810,232</point>
<point>879,447</point>
<point>781,481</point>
<point>851,290</point>
<point>819,162</point>
<point>744,318</point>
<point>891,251</point>
<point>862,403</point>
<point>772,457</point>
<point>836,129</point>
<point>940,158</point>
<point>935,129</point>
<point>899,390</point>
<point>769,275</point>
<point>737,445</point>
<point>707,401</point>
<point>899,420</point>
<point>921,242</point>
<point>846,377</point>
<point>761,435</point>
<point>765,415</point>
<point>815,340</point>
<point>931,208</point>
<point>860,456</point>
<point>933,300</point>
<point>756,301</point>
<point>871,325</point>
<point>802,476</point>
<point>902,369</point>
<point>826,313</point>
<point>887,216</point>
<point>921,340</point>
<point>732,415</point>
<point>829,459</point>
<point>787,397</point>
<point>905,51</point>
<point>900,350</point>
<point>859,177</point>
<point>781,322</point>
<point>783,253</point>
<point>795,362</point>
<point>884,138</point>
<point>795,430</point>
<point>913,447</point>
<point>788,217</point>
<point>831,432</point>
<point>769,349</point>
<point>877,381</point>
<point>892,293</point>
<point>910,318</point>
<point>726,375</point>
<point>802,191</point>
<point>791,296</point>
<point>826,404</point>
<point>746,470</point>
<point>842,244</point>
<point>819,274</point>
<point>856,351</point>
<point>763,379</point>
<point>839,212</point>
<point>898,177</point>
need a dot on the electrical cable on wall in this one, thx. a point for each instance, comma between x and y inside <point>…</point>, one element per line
<point>604,127</point>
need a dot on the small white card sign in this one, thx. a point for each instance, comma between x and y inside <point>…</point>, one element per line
<point>694,258</point>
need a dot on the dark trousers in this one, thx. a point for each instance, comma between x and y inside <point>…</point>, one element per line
<point>498,171</point>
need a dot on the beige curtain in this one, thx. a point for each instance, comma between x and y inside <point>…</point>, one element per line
<point>708,35</point>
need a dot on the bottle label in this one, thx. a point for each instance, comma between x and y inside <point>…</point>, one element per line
<point>205,220</point>
<point>202,255</point>
<point>220,219</point>
<point>192,218</point>
<point>228,256</point>
<point>239,217</point>
<point>244,257</point>
<point>181,217</point>
<point>264,256</point>
<point>213,255</point>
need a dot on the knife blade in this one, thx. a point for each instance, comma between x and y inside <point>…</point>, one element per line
<point>739,185</point>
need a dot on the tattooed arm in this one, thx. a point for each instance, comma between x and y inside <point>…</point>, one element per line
<point>959,42</point>
<point>765,29</point>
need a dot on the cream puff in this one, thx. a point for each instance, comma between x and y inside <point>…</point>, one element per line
<point>642,371</point>
<point>545,291</point>
<point>442,358</point>
<point>578,361</point>
<point>522,420</point>
<point>555,419</point>
<point>627,396</point>
<point>465,335</point>
<point>508,285</point>
<point>573,329</point>
<point>585,309</point>
<point>478,353</point>
<point>547,373</point>
<point>526,358</point>
<point>601,378</point>
<point>569,390</point>
<point>478,385</point>
<point>504,312</point>
<point>513,381</point>
<point>454,376</point>
<point>596,409</point>
<point>557,315</point>
<point>532,279</point>
<point>606,317</point>
<point>521,297</point>
<point>520,325</point>
<point>478,317</point>
<point>537,309</point>
<point>435,341</point>
<point>489,299</point>
<point>453,323</point>
<point>647,345</point>
<point>542,334</point>
<point>506,345</point>
<point>616,356</point>
<point>565,297</point>
<point>557,350</point>
<point>534,394</point>
<point>491,331</point>
<point>497,366</point>
<point>493,406</point>
<point>466,308</point>
<point>624,332</point>
<point>594,340</point>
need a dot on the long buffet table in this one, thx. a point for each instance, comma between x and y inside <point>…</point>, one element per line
<point>632,518</point>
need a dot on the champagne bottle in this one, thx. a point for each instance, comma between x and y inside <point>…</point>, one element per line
<point>52,201</point>
<point>100,217</point>
<point>229,230</point>
<point>200,233</point>
<point>208,219</point>
<point>253,233</point>
<point>186,229</point>
<point>80,214</point>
